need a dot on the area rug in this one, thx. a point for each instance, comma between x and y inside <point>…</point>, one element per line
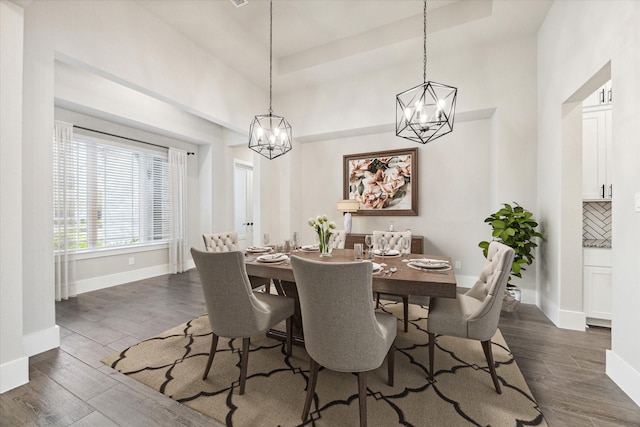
<point>461,393</point>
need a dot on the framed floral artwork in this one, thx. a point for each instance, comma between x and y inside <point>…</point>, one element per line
<point>384,182</point>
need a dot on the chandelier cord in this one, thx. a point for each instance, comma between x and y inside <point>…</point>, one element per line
<point>424,63</point>
<point>271,53</point>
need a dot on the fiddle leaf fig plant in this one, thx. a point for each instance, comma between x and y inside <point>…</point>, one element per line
<point>515,227</point>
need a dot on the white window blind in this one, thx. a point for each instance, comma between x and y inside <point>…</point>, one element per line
<point>115,196</point>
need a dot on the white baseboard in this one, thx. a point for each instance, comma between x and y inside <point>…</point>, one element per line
<point>41,341</point>
<point>624,375</point>
<point>102,282</point>
<point>565,319</point>
<point>575,320</point>
<point>14,374</point>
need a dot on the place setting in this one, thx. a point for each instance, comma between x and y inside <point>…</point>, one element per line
<point>275,258</point>
<point>429,264</point>
<point>391,253</point>
<point>258,249</point>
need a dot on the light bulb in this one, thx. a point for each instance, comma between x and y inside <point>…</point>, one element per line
<point>423,117</point>
<point>407,113</point>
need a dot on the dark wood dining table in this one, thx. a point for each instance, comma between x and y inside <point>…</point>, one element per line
<point>404,281</point>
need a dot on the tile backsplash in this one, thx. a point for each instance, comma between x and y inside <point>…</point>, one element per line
<point>596,223</point>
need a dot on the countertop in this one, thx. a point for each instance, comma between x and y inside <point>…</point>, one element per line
<point>596,243</point>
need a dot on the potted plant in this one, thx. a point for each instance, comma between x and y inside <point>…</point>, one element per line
<point>515,227</point>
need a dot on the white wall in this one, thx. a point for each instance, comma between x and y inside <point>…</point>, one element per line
<point>105,39</point>
<point>464,176</point>
<point>14,367</point>
<point>575,43</point>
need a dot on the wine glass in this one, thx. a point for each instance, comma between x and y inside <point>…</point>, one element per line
<point>265,239</point>
<point>383,246</point>
<point>295,241</point>
<point>406,247</point>
<point>368,240</point>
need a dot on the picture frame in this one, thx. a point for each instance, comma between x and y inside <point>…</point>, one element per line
<point>383,182</point>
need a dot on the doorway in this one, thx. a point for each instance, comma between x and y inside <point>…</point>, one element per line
<point>243,202</point>
<point>575,182</point>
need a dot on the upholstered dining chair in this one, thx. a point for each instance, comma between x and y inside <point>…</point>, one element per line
<point>227,242</point>
<point>341,330</point>
<point>221,242</point>
<point>474,314</point>
<point>339,239</point>
<point>395,242</point>
<point>234,310</point>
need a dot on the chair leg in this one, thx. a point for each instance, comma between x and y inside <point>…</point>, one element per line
<point>212,352</point>
<point>432,347</point>
<point>391,363</point>
<point>362,397</point>
<point>245,363</point>
<point>377,299</point>
<point>289,335</point>
<point>486,346</point>
<point>311,388</point>
<point>405,302</point>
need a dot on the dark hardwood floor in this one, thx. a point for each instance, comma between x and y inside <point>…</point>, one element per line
<point>69,386</point>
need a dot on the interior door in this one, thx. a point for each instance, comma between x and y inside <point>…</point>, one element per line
<point>243,203</point>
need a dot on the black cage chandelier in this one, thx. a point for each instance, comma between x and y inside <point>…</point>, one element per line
<point>270,135</point>
<point>425,112</point>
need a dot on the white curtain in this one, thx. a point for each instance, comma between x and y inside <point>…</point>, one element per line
<point>66,223</point>
<point>178,181</point>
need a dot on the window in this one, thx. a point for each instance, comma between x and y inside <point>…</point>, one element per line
<point>114,195</point>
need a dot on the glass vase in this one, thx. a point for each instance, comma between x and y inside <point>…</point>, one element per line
<point>325,244</point>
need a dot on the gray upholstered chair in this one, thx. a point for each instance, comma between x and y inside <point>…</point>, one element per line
<point>221,242</point>
<point>474,314</point>
<point>339,239</point>
<point>234,310</point>
<point>227,242</point>
<point>341,330</point>
<point>395,242</point>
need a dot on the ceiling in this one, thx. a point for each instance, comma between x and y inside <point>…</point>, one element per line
<point>319,40</point>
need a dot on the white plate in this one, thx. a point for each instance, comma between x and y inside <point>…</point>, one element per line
<point>272,257</point>
<point>429,263</point>
<point>310,248</point>
<point>430,266</point>
<point>258,249</point>
<point>391,253</point>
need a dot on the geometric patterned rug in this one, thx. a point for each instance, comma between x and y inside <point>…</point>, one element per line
<point>462,393</point>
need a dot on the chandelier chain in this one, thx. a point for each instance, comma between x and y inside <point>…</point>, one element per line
<point>270,52</point>
<point>424,63</point>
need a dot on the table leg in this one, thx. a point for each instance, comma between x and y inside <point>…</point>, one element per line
<point>289,289</point>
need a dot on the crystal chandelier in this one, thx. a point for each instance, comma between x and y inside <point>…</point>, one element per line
<point>425,112</point>
<point>270,135</point>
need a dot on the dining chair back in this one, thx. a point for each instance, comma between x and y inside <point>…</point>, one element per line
<point>393,237</point>
<point>342,332</point>
<point>221,242</point>
<point>339,239</point>
<point>395,242</point>
<point>474,314</point>
<point>234,310</point>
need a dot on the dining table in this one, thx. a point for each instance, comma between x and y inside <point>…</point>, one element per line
<point>395,277</point>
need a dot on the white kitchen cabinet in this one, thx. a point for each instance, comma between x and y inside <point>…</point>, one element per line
<point>597,286</point>
<point>596,154</point>
<point>602,96</point>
